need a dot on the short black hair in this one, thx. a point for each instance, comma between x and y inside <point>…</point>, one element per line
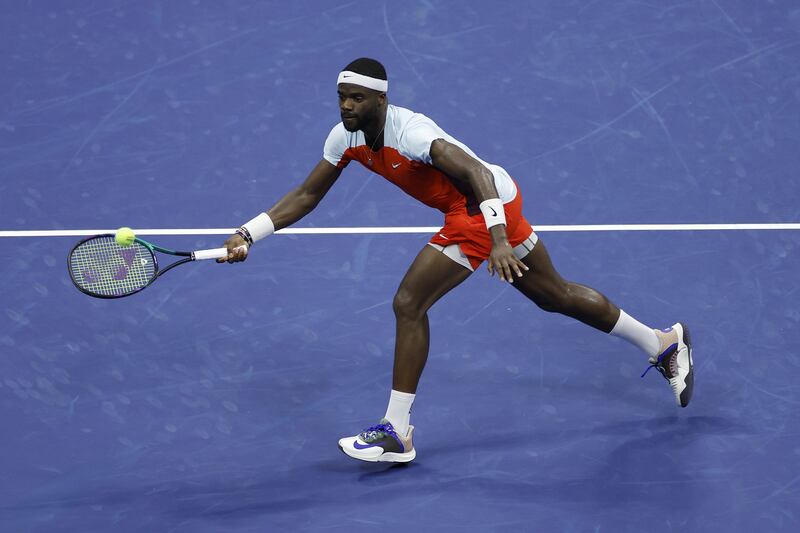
<point>368,67</point>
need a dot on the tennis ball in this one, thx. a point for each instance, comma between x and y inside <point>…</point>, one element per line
<point>124,236</point>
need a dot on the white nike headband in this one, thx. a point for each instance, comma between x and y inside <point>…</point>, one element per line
<point>355,78</point>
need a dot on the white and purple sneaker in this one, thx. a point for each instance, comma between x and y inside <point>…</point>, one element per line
<point>675,364</point>
<point>380,444</point>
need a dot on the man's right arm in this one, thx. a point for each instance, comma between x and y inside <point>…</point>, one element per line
<point>292,207</point>
<point>302,200</point>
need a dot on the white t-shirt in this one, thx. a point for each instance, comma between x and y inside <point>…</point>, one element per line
<point>406,161</point>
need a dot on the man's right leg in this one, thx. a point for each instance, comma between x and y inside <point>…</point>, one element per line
<point>432,275</point>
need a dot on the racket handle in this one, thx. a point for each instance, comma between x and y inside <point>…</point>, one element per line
<point>214,253</point>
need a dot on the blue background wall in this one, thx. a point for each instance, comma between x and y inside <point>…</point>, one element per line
<point>213,400</point>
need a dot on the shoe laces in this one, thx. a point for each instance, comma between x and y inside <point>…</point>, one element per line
<point>378,431</point>
<point>659,364</point>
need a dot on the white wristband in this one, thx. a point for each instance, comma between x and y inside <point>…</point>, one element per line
<point>493,212</point>
<point>260,227</point>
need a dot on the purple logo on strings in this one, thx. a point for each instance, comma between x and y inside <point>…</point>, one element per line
<point>128,255</point>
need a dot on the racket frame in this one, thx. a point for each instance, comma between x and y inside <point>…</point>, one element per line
<point>187,257</point>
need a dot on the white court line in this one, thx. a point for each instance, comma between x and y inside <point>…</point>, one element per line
<point>411,229</point>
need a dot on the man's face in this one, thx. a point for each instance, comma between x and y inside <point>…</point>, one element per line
<point>358,106</point>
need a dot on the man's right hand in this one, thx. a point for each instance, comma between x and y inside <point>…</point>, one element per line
<point>237,249</point>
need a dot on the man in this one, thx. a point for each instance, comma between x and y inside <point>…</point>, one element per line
<point>483,221</point>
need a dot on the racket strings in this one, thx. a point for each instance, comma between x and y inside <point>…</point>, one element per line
<point>103,267</point>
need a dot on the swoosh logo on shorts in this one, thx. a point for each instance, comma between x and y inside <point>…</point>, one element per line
<point>358,446</point>
<point>395,165</point>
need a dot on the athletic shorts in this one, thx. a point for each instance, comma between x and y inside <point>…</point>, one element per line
<point>472,236</point>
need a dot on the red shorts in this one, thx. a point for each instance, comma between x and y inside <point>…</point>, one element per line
<point>471,233</point>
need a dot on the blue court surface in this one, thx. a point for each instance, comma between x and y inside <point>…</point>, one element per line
<point>213,401</point>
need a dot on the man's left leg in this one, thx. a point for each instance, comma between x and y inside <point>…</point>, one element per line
<point>669,350</point>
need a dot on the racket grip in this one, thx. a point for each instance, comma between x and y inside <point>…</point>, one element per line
<point>214,253</point>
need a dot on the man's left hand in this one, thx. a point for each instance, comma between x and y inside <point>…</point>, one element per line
<point>503,260</point>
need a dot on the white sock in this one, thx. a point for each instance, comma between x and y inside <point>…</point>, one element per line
<point>637,333</point>
<point>399,411</point>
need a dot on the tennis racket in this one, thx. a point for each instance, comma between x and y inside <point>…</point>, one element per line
<point>100,267</point>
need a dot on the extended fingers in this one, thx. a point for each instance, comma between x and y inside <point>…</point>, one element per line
<point>507,275</point>
<point>519,266</point>
<point>501,267</point>
<point>507,267</point>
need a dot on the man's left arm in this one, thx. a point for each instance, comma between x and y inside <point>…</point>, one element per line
<point>458,164</point>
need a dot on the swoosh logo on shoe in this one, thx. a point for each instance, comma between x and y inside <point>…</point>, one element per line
<point>358,446</point>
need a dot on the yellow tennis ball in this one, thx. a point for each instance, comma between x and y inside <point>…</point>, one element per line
<point>124,236</point>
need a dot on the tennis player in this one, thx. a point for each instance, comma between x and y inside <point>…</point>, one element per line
<point>483,221</point>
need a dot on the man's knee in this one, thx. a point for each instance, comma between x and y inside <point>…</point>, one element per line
<point>407,306</point>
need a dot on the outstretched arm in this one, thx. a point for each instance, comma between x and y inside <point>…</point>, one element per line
<point>302,200</point>
<point>296,204</point>
<point>458,164</point>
